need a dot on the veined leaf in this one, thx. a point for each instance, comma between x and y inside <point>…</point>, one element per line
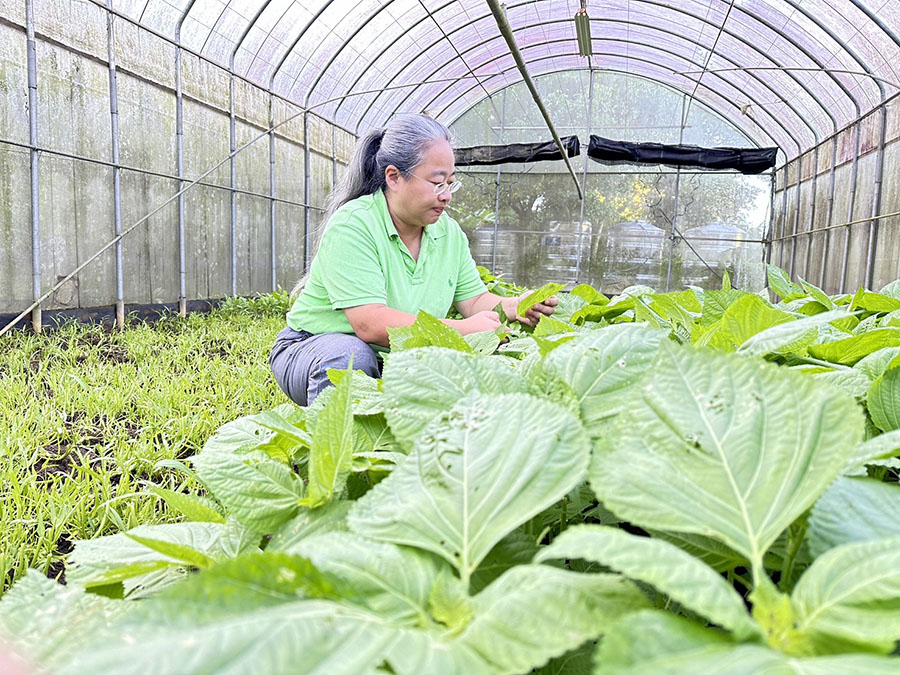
<point>188,505</point>
<point>568,305</point>
<point>749,316</point>
<point>392,581</point>
<point>883,400</point>
<point>818,294</point>
<point>45,621</point>
<point>790,336</point>
<point>421,384</point>
<point>183,554</point>
<point>516,548</point>
<point>550,326</point>
<point>892,290</point>
<point>535,612</point>
<point>662,565</point>
<point>849,598</point>
<point>849,351</point>
<point>590,294</point>
<point>484,343</point>
<point>427,331</point>
<point>464,487</point>
<point>141,569</point>
<point>716,302</point>
<point>331,517</point>
<point>365,392</point>
<point>781,283</point>
<point>545,292</point>
<point>849,380</point>
<point>718,445</point>
<point>601,367</point>
<point>659,643</point>
<point>333,442</point>
<point>711,551</point>
<point>878,302</point>
<point>853,510</point>
<point>881,447</point>
<point>875,364</point>
<point>260,492</point>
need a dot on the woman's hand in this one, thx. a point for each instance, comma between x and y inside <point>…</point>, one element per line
<point>479,322</point>
<point>533,315</point>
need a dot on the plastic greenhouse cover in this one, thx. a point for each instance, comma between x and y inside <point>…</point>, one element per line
<point>804,67</point>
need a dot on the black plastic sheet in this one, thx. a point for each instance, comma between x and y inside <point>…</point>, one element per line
<point>744,160</point>
<point>488,155</point>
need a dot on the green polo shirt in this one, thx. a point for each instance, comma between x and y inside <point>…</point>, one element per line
<point>362,261</point>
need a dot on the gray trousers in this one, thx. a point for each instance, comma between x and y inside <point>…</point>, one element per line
<point>300,361</point>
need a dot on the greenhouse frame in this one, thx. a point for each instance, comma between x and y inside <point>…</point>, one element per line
<point>452,337</point>
<point>225,94</point>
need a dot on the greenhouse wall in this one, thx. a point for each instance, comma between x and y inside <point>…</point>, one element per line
<point>76,215</point>
<point>837,244</point>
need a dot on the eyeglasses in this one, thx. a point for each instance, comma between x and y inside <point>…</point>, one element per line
<point>441,188</point>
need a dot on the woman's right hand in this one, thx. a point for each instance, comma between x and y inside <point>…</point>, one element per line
<point>480,322</point>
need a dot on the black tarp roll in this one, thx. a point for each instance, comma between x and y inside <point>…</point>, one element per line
<point>488,155</point>
<point>745,160</point>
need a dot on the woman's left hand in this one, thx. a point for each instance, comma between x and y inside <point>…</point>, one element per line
<point>533,315</point>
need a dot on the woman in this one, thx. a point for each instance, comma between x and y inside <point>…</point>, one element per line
<point>388,251</point>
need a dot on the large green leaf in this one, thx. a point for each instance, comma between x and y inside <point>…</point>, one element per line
<point>45,621</point>
<point>333,442</point>
<point>258,491</point>
<point>669,569</point>
<point>883,400</point>
<point>601,367</point>
<point>711,551</point>
<point>189,505</point>
<point>874,451</point>
<point>849,598</point>
<point>781,283</point>
<point>854,509</point>
<point>750,315</point>
<point>791,336</point>
<point>535,612</point>
<point>875,364</point>
<point>427,331</point>
<point>719,445</point>
<point>545,292</point>
<point>142,569</point>
<point>467,484</point>
<point>421,384</point>
<point>848,352</point>
<point>365,392</point>
<point>393,581</point>
<point>331,517</point>
<point>659,643</point>
<point>716,302</point>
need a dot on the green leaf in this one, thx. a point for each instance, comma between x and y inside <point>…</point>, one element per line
<point>365,391</point>
<point>392,581</point>
<point>750,315</point>
<point>183,554</point>
<point>851,381</point>
<point>876,364</point>
<point>781,283</point>
<point>287,438</point>
<point>550,326</point>
<point>818,295</point>
<point>849,598</point>
<point>188,505</point>
<point>690,451</point>
<point>427,331</point>
<point>421,384</point>
<point>449,603</point>
<point>853,510</point>
<point>465,487</point>
<point>260,492</point>
<point>603,366</point>
<point>877,302</point>
<point>590,294</point>
<point>535,612</point>
<point>516,548</point>
<point>45,621</point>
<point>716,302</point>
<point>484,343</point>
<point>331,517</point>
<point>792,336</point>
<point>892,290</point>
<point>545,292</point>
<point>568,306</point>
<point>142,570</point>
<point>849,351</point>
<point>879,448</point>
<point>712,552</point>
<point>333,442</point>
<point>883,400</point>
<point>662,565</point>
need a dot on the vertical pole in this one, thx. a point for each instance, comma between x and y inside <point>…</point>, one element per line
<point>854,176</point>
<point>232,144</point>
<point>872,243</point>
<point>497,198</point>
<point>272,183</point>
<point>307,192</point>
<point>829,217</point>
<point>117,172</point>
<point>771,228</point>
<point>334,162</point>
<point>672,227</point>
<point>179,145</point>
<point>35,175</point>
<point>584,179</point>
<point>812,212</point>
<point>796,227</point>
<point>784,191</point>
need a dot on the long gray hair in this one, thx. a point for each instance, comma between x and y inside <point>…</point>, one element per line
<point>402,143</point>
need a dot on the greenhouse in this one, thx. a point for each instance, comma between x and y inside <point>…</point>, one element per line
<point>618,392</point>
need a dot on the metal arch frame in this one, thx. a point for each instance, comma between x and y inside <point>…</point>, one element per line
<point>764,129</point>
<point>876,200</point>
<point>800,48</point>
<point>667,51</point>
